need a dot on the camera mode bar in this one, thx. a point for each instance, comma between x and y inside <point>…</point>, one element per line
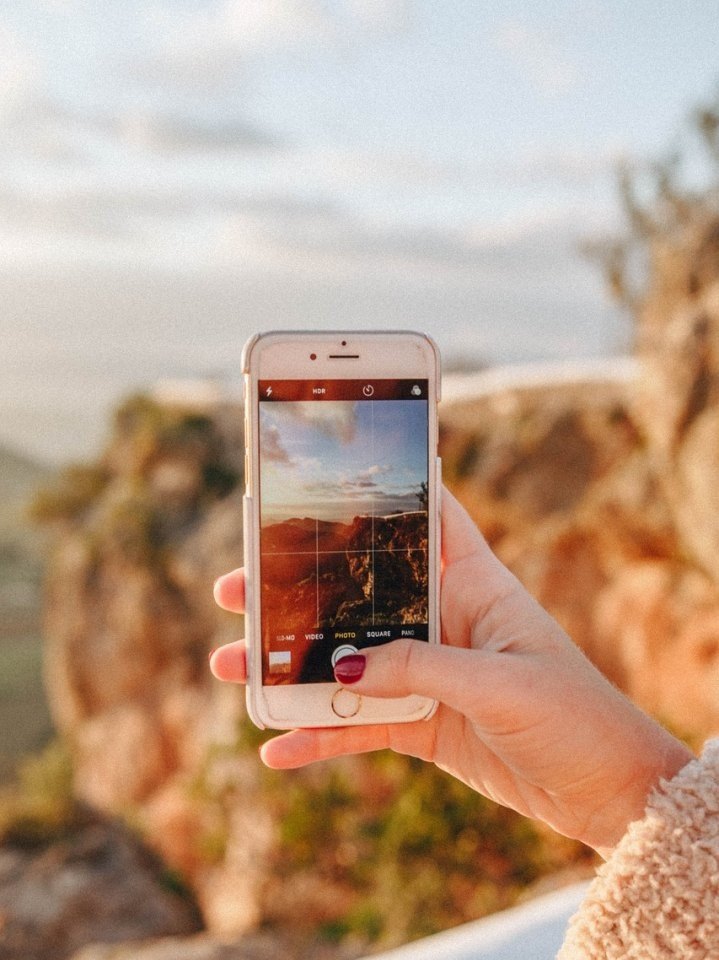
<point>274,391</point>
<point>354,636</point>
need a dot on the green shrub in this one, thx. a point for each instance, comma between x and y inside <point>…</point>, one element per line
<point>76,489</point>
<point>40,807</point>
<point>419,849</point>
<point>136,414</point>
<point>132,527</point>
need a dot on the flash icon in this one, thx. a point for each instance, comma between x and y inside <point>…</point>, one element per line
<point>268,392</point>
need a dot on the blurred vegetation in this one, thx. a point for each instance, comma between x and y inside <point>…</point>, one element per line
<point>24,717</point>
<point>71,494</point>
<point>40,806</point>
<point>154,431</point>
<point>381,849</point>
<point>668,200</point>
<point>418,850</point>
<point>163,466</point>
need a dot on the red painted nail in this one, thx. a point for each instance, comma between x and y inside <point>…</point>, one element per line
<point>349,669</point>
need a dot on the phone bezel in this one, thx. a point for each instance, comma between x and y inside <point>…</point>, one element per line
<point>339,355</point>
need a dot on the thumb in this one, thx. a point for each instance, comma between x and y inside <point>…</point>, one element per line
<point>456,676</point>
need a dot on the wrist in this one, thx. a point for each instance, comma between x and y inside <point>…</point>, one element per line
<point>658,757</point>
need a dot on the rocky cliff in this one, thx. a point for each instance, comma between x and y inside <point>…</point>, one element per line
<point>603,497</point>
<point>140,537</point>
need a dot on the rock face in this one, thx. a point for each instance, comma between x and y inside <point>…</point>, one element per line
<point>666,617</point>
<point>604,499</point>
<point>564,483</point>
<point>129,624</point>
<point>98,884</point>
<point>678,407</point>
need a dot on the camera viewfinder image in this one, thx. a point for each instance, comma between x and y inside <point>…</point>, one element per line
<point>344,526</point>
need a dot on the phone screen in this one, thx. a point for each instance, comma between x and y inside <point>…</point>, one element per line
<point>344,520</point>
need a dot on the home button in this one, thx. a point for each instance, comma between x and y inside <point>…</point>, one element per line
<point>346,704</point>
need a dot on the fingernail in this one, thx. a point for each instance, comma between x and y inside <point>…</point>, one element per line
<point>349,669</point>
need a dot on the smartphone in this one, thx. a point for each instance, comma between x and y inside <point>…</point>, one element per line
<point>341,528</point>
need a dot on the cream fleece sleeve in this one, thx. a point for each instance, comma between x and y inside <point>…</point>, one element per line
<point>657,897</point>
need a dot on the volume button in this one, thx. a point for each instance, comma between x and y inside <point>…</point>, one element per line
<point>247,530</point>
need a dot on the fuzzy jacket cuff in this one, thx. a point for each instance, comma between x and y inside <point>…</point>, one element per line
<point>657,897</point>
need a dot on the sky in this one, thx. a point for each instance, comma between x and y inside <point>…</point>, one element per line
<point>334,460</point>
<point>175,176</point>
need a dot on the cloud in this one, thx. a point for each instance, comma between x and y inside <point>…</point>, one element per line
<point>365,480</point>
<point>573,166</point>
<point>173,133</point>
<point>378,502</point>
<point>217,227</point>
<point>570,167</point>
<point>331,241</point>
<point>58,130</point>
<point>537,54</point>
<point>382,16</point>
<point>341,489</point>
<point>374,471</point>
<point>271,444</point>
<point>210,47</point>
<point>148,212</point>
<point>19,71</point>
<point>247,26</point>
<point>337,421</point>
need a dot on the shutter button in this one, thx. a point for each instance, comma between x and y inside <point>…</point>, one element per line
<point>346,650</point>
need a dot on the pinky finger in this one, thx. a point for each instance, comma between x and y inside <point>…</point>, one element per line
<point>301,747</point>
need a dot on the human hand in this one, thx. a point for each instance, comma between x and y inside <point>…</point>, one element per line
<point>523,716</point>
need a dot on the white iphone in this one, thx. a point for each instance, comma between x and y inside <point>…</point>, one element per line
<point>341,520</point>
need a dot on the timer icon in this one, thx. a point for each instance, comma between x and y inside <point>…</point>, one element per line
<point>368,390</point>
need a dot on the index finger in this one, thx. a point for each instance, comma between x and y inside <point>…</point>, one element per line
<point>229,591</point>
